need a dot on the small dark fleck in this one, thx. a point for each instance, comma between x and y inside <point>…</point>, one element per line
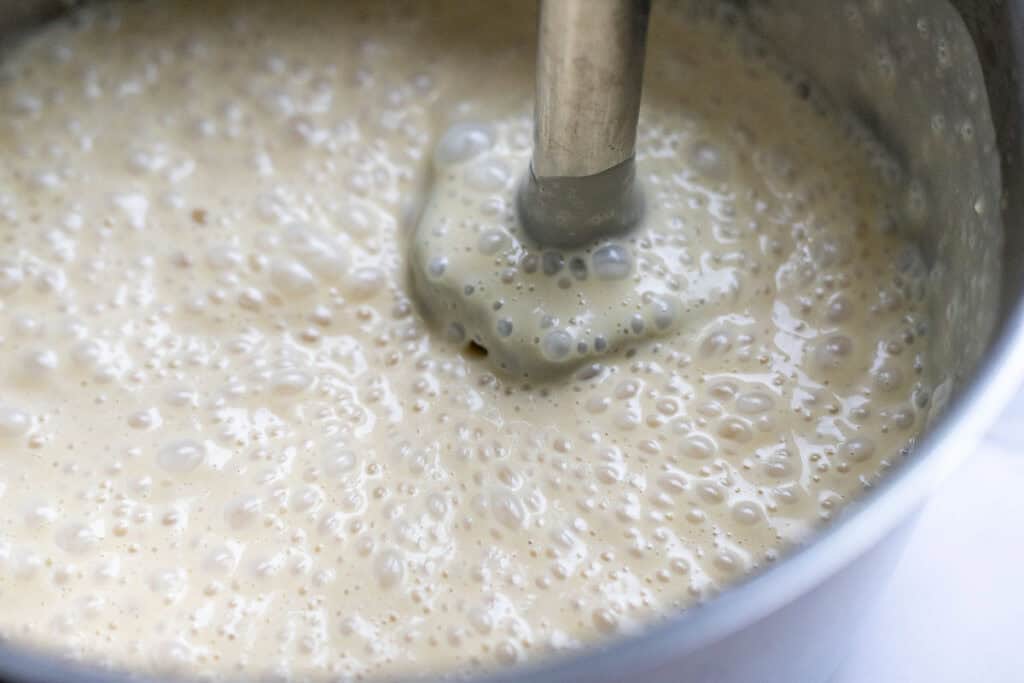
<point>578,268</point>
<point>475,350</point>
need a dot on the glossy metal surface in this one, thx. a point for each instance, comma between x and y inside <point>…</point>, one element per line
<point>590,61</point>
<point>942,85</point>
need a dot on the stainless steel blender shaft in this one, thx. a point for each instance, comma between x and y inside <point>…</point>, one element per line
<point>582,183</point>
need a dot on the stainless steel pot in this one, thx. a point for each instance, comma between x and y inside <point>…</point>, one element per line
<point>940,83</point>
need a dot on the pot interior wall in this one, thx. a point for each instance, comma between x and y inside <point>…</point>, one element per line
<point>909,71</point>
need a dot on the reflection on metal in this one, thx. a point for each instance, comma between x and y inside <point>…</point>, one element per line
<point>909,71</point>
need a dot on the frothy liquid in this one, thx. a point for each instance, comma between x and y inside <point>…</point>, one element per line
<point>229,444</point>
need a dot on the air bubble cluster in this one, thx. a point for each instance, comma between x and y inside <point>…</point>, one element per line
<point>232,442</point>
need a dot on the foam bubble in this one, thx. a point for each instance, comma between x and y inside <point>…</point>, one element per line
<point>612,262</point>
<point>489,175</point>
<point>13,422</point>
<point>463,141</point>
<point>291,277</point>
<point>556,345</point>
<point>181,456</point>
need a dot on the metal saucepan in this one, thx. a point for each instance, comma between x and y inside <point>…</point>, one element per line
<point>942,85</point>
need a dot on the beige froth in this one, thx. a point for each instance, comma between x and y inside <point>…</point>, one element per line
<point>227,441</point>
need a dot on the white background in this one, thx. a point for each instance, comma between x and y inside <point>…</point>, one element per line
<point>954,610</point>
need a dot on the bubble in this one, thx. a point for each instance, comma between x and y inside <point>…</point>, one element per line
<point>437,266</point>
<point>243,511</point>
<point>556,345</point>
<point>529,263</point>
<point>492,241</point>
<point>778,467</point>
<point>839,308</point>
<point>589,371</point>
<point>754,402</point>
<point>480,619</point>
<point>664,311</point>
<point>627,389</point>
<point>324,257</point>
<point>251,299</point>
<point>724,389</point>
<point>180,396</point>
<point>578,268</point>
<point>13,422</point>
<point>717,343</point>
<point>307,498</point>
<point>223,257</point>
<point>552,262</point>
<point>709,160</point>
<point>832,351</point>
<point>710,492</point>
<point>734,429</point>
<point>831,251</point>
<point>859,449</point>
<point>144,419</point>
<point>698,446</point>
<point>437,506</point>
<point>902,418</point>
<point>291,277</point>
<point>40,515</point>
<point>507,653</point>
<point>338,461</point>
<point>78,539</point>
<point>463,141</point>
<point>171,656</point>
<point>40,364</point>
<point>491,175</point>
<point>612,262</point>
<point>509,510</point>
<point>365,282</point>
<point>389,568</point>
<point>503,327</point>
<point>747,512</point>
<point>290,381</point>
<point>11,277</point>
<point>27,326</point>
<point>605,620</point>
<point>727,561</point>
<point>221,560</point>
<point>672,483</point>
<point>168,583</point>
<point>888,378</point>
<point>181,456</point>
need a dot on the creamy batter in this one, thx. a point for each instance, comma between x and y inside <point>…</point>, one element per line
<point>230,444</point>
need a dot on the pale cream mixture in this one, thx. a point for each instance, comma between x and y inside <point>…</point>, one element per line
<point>230,444</point>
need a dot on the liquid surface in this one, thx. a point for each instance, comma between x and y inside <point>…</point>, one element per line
<point>228,442</point>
